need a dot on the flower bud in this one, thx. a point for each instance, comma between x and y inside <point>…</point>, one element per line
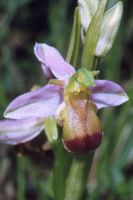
<point>82,129</point>
<point>87,10</point>
<point>109,26</point>
<point>109,29</point>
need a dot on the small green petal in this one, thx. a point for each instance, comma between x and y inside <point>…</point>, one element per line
<point>94,73</point>
<point>51,130</point>
<point>81,80</point>
<point>56,82</point>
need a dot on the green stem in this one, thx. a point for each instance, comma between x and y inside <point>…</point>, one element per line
<point>96,63</point>
<point>3,99</point>
<point>20,178</point>
<point>78,176</point>
<point>62,158</point>
<point>61,168</point>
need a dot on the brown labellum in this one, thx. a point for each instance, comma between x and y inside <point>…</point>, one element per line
<point>82,130</point>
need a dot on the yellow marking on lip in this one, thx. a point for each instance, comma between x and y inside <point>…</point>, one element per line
<point>77,91</point>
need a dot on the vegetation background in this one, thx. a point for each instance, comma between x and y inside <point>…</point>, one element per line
<point>24,22</point>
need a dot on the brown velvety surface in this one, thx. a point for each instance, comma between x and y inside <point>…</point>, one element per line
<point>83,144</point>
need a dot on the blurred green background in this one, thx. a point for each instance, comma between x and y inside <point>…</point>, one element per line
<point>24,22</point>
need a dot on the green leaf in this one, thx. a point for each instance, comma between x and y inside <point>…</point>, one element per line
<point>74,44</point>
<point>92,36</point>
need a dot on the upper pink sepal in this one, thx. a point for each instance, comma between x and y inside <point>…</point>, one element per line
<point>52,62</point>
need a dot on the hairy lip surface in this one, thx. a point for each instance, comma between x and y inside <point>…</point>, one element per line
<point>83,144</point>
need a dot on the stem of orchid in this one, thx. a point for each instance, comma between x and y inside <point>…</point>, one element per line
<point>78,175</point>
<point>96,63</point>
<point>62,158</point>
<point>20,178</point>
<point>61,168</point>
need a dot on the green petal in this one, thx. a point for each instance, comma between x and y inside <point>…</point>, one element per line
<point>51,130</point>
<point>85,77</point>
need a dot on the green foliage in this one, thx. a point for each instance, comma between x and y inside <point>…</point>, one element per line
<point>74,44</point>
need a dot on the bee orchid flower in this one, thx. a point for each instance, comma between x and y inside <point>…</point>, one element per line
<point>80,95</point>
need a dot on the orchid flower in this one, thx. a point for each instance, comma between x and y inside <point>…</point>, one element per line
<point>71,96</point>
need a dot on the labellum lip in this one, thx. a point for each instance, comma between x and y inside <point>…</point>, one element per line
<point>82,131</point>
<point>83,144</point>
